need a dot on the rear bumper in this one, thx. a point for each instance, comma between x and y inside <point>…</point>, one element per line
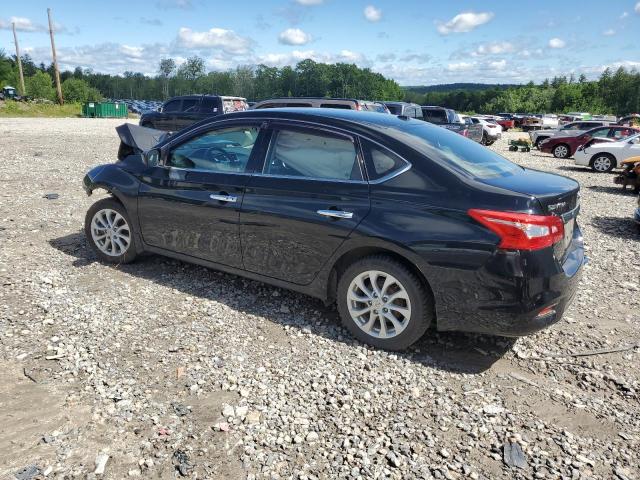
<point>514,294</point>
<point>493,136</point>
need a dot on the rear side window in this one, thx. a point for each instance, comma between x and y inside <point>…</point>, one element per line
<point>395,109</point>
<point>342,106</point>
<point>209,104</point>
<point>172,106</point>
<point>381,162</point>
<point>417,113</point>
<point>437,117</point>
<point>234,105</point>
<point>312,154</point>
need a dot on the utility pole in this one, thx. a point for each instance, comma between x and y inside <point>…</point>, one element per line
<point>15,39</point>
<point>55,60</point>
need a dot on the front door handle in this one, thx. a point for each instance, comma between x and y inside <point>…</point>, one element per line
<point>335,213</point>
<point>224,198</point>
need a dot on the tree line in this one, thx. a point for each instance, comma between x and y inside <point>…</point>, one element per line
<point>616,92</point>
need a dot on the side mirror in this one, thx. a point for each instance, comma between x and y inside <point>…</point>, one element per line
<point>152,157</point>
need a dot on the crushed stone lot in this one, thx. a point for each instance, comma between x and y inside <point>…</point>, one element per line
<point>163,369</point>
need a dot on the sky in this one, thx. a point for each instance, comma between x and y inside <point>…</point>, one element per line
<point>415,42</point>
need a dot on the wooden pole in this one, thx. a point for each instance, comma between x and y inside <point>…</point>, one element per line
<point>55,60</point>
<point>15,39</point>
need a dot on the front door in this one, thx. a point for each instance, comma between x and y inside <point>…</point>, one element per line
<point>306,201</point>
<point>190,204</point>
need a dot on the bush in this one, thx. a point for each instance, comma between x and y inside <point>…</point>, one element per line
<point>40,86</point>
<point>77,90</point>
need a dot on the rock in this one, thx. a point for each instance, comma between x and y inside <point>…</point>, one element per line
<point>101,463</point>
<point>312,437</point>
<point>513,455</point>
<point>27,473</point>
<point>241,411</point>
<point>252,417</point>
<point>228,411</point>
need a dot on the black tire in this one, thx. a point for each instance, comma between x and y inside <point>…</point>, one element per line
<point>484,138</point>
<point>130,253</point>
<point>564,152</point>
<point>422,309</point>
<point>538,140</point>
<point>595,163</point>
<point>147,125</point>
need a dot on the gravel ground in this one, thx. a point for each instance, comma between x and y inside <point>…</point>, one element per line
<point>164,369</point>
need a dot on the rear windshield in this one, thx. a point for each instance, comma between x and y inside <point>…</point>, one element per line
<point>455,151</point>
<point>342,106</point>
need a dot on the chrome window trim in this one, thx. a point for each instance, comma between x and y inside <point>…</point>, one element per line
<point>333,129</point>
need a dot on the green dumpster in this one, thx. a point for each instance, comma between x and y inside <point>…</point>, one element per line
<point>111,110</point>
<point>89,109</point>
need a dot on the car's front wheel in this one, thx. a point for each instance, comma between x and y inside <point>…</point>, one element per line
<point>383,303</point>
<point>109,231</point>
<point>603,162</point>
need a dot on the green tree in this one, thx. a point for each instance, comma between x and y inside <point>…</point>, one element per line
<point>40,86</point>
<point>77,90</point>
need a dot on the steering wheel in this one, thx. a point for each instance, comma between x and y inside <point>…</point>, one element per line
<point>218,155</point>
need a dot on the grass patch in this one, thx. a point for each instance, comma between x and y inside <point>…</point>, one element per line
<point>10,108</point>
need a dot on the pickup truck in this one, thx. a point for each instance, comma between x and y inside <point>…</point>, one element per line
<point>449,119</point>
<point>180,112</point>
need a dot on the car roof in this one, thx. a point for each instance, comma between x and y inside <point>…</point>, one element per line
<point>352,119</point>
<point>294,99</point>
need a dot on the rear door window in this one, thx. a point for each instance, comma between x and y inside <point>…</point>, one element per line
<point>209,104</point>
<point>312,154</point>
<point>382,162</point>
<point>437,117</point>
<point>395,109</point>
<point>190,104</point>
<point>601,133</point>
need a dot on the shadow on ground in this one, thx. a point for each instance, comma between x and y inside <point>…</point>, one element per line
<point>615,189</point>
<point>616,226</point>
<point>449,351</point>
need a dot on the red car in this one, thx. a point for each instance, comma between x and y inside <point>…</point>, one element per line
<point>565,146</point>
<point>505,123</point>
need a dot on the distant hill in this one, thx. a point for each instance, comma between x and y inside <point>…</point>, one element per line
<point>452,87</point>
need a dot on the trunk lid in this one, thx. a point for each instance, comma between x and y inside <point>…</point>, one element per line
<point>556,194</point>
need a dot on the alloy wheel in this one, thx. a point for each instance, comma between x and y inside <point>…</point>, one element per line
<point>110,232</point>
<point>602,164</point>
<point>561,151</point>
<point>379,304</point>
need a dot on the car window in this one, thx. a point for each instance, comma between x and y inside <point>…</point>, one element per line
<point>318,155</point>
<point>172,106</point>
<point>417,113</point>
<point>571,126</point>
<point>395,109</point>
<point>283,105</point>
<point>600,133</point>
<point>382,162</point>
<point>342,106</point>
<point>189,104</point>
<point>226,150</point>
<point>209,104</point>
<point>622,132</point>
<point>234,105</point>
<point>437,117</point>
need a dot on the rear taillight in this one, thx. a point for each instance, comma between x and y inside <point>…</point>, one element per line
<point>358,106</point>
<point>465,132</point>
<point>491,125</point>
<point>521,231</point>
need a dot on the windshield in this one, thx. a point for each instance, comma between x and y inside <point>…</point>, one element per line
<point>454,150</point>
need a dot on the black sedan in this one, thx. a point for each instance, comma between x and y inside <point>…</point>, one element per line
<point>404,224</point>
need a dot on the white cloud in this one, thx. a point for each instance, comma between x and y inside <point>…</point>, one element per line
<point>460,66</point>
<point>372,14</point>
<point>307,3</point>
<point>498,65</point>
<point>465,22</point>
<point>291,58</point>
<point>495,48</point>
<point>227,40</point>
<point>624,15</point>
<point>557,43</point>
<point>294,36</point>
<point>609,33</point>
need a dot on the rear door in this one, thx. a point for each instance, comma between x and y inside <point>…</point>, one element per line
<point>190,113</point>
<point>166,120</point>
<point>306,200</point>
<point>190,204</point>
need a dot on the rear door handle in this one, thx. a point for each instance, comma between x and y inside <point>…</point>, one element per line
<point>224,198</point>
<point>335,213</point>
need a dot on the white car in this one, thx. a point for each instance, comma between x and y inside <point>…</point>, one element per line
<point>604,157</point>
<point>490,131</point>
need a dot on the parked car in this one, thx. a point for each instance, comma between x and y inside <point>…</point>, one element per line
<point>564,146</point>
<point>506,123</point>
<point>490,131</point>
<point>604,157</point>
<point>574,128</point>
<point>630,120</point>
<point>180,112</point>
<point>449,119</point>
<point>319,102</point>
<point>402,223</point>
<point>533,122</point>
<point>411,110</point>
<point>470,130</point>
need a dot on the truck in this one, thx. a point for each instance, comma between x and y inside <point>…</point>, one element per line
<point>451,120</point>
<point>10,93</point>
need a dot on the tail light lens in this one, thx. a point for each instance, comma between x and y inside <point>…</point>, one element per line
<point>521,231</point>
<point>491,125</point>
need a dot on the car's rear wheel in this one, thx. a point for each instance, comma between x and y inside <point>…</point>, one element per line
<point>109,232</point>
<point>383,303</point>
<point>603,162</point>
<point>561,151</point>
<point>485,139</point>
